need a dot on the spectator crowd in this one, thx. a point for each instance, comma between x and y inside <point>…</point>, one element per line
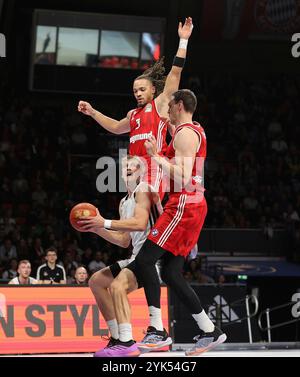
<point>48,155</point>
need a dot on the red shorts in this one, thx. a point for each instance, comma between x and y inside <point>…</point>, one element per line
<point>178,228</point>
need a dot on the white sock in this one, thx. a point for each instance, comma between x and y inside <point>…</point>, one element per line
<point>113,328</point>
<point>125,332</point>
<point>155,318</point>
<point>204,322</point>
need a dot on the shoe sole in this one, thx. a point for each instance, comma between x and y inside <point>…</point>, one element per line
<point>212,345</point>
<point>131,354</point>
<point>154,347</point>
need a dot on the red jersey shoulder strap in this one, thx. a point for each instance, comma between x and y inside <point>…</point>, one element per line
<point>193,126</point>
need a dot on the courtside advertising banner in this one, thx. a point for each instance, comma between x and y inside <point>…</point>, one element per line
<point>62,319</point>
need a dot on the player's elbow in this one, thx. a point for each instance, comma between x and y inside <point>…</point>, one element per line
<point>117,131</point>
<point>125,242</point>
<point>141,226</point>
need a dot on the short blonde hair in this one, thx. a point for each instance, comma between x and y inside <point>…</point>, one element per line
<point>23,261</point>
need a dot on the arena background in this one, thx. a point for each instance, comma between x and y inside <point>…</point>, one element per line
<point>242,64</point>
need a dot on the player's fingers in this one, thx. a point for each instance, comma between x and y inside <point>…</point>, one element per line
<point>85,228</point>
<point>84,220</point>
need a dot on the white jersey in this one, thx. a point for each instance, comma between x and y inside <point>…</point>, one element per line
<point>127,208</point>
<point>16,281</point>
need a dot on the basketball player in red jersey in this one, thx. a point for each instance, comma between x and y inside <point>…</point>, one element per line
<point>152,92</point>
<point>177,230</point>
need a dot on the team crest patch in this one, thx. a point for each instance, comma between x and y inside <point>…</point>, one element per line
<point>148,108</point>
<point>154,232</point>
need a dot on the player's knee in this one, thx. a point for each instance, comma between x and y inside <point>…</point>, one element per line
<point>118,287</point>
<point>92,282</point>
<point>96,280</point>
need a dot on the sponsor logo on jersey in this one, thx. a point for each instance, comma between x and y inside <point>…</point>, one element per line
<point>135,138</point>
<point>148,108</point>
<point>197,178</point>
<point>154,232</point>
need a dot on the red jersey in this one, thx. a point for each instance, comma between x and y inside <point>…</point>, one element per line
<point>144,122</point>
<point>178,228</point>
<point>196,184</point>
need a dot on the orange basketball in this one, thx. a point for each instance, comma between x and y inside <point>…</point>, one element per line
<point>81,210</point>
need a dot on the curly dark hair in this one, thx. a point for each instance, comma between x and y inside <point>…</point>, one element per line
<point>155,74</point>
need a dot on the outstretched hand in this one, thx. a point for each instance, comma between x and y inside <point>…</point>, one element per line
<point>185,31</point>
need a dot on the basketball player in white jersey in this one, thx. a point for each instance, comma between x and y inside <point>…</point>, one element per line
<point>110,286</point>
<point>24,270</point>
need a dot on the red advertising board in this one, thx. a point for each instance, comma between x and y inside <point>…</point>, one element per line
<point>61,319</point>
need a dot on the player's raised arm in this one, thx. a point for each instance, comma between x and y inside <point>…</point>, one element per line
<point>173,78</point>
<point>112,125</point>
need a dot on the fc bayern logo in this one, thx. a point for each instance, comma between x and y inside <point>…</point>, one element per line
<point>154,232</point>
<point>279,16</point>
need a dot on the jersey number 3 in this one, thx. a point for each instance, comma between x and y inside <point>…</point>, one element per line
<point>138,122</point>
